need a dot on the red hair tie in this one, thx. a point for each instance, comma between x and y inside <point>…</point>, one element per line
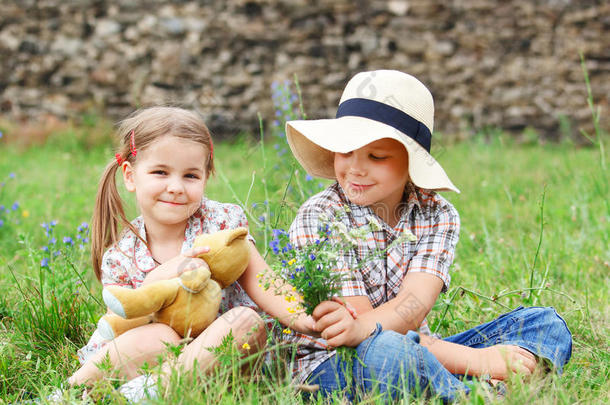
<point>132,148</point>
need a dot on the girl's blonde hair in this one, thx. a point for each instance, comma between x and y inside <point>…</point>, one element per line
<point>148,125</point>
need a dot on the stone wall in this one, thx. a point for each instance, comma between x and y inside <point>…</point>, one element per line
<point>489,63</point>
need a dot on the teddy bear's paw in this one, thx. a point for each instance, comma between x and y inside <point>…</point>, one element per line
<point>105,330</point>
<point>113,303</point>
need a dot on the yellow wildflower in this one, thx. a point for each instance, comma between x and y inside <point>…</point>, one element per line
<point>245,346</point>
<point>292,261</point>
<point>287,331</point>
<point>25,213</point>
<point>294,288</point>
<point>290,310</point>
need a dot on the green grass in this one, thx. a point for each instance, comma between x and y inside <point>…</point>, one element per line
<point>513,251</point>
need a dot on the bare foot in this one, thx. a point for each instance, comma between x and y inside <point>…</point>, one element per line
<point>502,360</point>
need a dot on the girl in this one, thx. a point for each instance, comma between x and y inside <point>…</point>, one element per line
<point>378,150</point>
<point>165,158</point>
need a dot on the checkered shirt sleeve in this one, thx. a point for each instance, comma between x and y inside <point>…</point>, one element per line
<point>437,236</point>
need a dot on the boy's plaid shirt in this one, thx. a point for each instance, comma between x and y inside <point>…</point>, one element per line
<point>431,218</point>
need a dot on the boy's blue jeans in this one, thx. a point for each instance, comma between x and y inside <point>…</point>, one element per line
<point>394,364</point>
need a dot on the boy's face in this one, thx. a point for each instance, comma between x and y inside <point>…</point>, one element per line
<point>375,175</point>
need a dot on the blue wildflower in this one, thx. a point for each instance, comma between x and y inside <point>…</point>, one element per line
<point>52,241</point>
<point>68,240</point>
<point>276,123</point>
<point>44,262</point>
<point>320,185</point>
<point>53,222</point>
<point>84,226</point>
<point>312,256</point>
<point>284,263</point>
<point>254,205</point>
<point>308,177</point>
<point>15,206</point>
<point>45,249</point>
<point>56,253</point>
<point>1,223</point>
<point>85,240</point>
<point>261,218</point>
<point>1,208</point>
<point>278,113</point>
<point>11,175</point>
<point>276,146</point>
<point>278,232</point>
<point>1,134</point>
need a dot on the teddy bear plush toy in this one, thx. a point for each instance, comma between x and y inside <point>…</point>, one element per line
<point>188,303</point>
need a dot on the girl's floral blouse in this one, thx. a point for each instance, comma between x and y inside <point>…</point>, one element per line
<point>128,261</point>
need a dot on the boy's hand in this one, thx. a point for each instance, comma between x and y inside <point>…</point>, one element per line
<point>337,325</point>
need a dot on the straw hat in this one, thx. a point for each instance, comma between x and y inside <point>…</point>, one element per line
<point>374,105</point>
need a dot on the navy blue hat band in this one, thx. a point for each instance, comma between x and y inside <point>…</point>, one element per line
<point>386,114</point>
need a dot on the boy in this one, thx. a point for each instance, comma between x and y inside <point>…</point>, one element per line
<point>378,150</point>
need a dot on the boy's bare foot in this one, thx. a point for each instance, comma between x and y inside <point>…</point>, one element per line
<point>502,360</point>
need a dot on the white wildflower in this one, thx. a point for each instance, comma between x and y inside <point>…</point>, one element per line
<point>408,235</point>
<point>358,233</point>
<point>375,225</point>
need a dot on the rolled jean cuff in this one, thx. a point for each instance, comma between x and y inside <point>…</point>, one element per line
<point>414,336</point>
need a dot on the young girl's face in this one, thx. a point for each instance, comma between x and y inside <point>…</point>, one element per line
<point>168,178</point>
<point>374,175</point>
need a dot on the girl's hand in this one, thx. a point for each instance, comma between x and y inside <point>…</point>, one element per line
<point>178,265</point>
<point>337,325</point>
<point>304,324</point>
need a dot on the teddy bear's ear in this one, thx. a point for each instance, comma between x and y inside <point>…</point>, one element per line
<point>238,233</point>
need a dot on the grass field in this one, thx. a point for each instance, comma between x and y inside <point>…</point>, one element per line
<point>535,231</point>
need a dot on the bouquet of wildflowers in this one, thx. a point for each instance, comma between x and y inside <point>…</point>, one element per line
<point>311,270</point>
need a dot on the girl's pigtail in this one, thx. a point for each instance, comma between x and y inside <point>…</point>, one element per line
<point>106,216</point>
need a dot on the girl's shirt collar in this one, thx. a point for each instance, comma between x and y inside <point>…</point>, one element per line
<point>143,259</point>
